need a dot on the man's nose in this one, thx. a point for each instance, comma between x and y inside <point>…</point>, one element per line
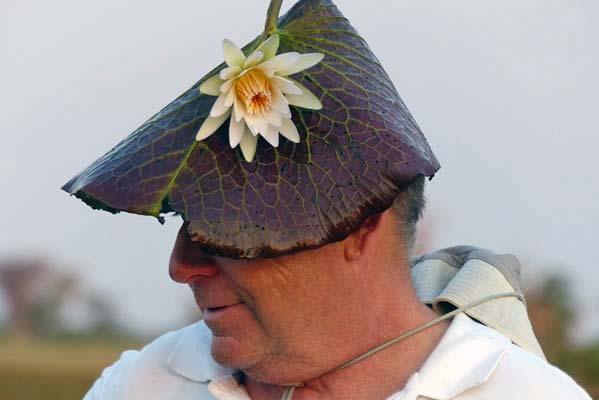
<point>186,272</point>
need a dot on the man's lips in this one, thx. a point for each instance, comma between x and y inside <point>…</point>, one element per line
<point>209,298</point>
<point>217,308</point>
<point>216,317</point>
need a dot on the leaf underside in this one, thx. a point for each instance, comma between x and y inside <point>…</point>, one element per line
<point>354,157</point>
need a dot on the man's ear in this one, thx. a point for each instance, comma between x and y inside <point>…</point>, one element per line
<point>359,241</point>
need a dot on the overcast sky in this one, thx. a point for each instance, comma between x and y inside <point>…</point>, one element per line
<point>506,93</point>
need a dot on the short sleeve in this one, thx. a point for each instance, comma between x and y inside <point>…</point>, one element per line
<point>110,384</point>
<point>147,375</point>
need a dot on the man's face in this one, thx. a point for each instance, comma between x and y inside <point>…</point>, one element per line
<point>264,312</point>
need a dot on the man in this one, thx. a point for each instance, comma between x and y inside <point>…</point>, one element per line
<point>270,323</point>
<point>298,252</point>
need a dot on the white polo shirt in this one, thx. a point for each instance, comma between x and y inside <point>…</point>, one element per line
<point>470,362</point>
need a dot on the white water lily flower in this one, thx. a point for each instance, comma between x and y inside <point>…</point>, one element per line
<point>256,93</point>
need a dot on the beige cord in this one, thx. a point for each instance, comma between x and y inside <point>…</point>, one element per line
<point>290,389</point>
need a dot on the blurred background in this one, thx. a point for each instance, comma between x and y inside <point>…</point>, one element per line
<point>504,91</point>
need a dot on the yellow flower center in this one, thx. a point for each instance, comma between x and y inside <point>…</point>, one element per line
<point>255,92</point>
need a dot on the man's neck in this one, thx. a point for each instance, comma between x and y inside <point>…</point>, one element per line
<point>391,367</point>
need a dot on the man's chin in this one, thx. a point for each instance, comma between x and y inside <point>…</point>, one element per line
<point>231,353</point>
<point>233,338</point>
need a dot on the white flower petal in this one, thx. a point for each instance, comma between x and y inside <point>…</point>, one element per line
<point>230,72</point>
<point>308,101</point>
<point>305,61</point>
<point>273,118</point>
<point>283,61</point>
<point>236,132</point>
<point>245,71</point>
<point>219,107</point>
<point>211,86</point>
<point>280,103</point>
<point>270,46</point>
<point>305,100</point>
<point>261,125</point>
<point>271,134</point>
<point>267,69</point>
<point>253,59</point>
<point>233,55</point>
<point>228,85</point>
<point>210,126</point>
<point>285,85</point>
<point>248,146</point>
<point>289,130</point>
<point>231,96</point>
<point>256,124</point>
<point>239,108</point>
<point>252,127</point>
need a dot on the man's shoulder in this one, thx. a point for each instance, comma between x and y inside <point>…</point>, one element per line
<point>473,361</point>
<point>142,374</point>
<point>521,375</point>
<point>153,355</point>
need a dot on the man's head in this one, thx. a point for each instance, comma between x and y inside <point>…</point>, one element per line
<point>266,313</point>
<point>353,146</point>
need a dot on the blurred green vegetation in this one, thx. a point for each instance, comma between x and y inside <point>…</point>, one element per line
<point>554,313</point>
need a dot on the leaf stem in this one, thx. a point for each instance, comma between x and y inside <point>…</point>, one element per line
<point>272,17</point>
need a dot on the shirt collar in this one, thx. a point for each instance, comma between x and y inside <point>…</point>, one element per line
<point>465,357</point>
<point>191,357</point>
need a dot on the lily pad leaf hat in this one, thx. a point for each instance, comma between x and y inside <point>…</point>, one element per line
<point>290,144</point>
